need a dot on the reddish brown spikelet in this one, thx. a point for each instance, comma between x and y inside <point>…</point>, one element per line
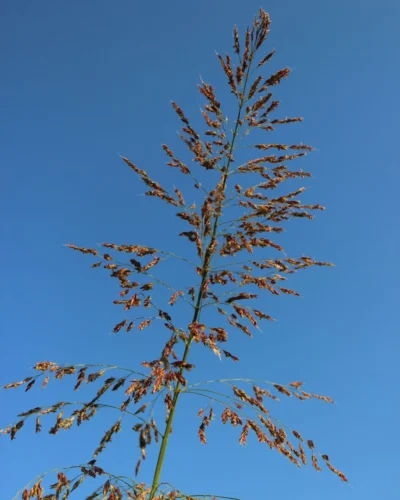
<point>94,376</point>
<point>254,87</point>
<point>179,112</point>
<point>144,324</point>
<point>37,409</point>
<point>44,366</point>
<point>119,384</point>
<point>61,372</point>
<point>289,455</point>
<point>259,104</point>
<point>246,54</point>
<point>107,437</point>
<point>205,423</point>
<point>81,378</point>
<point>244,433</point>
<point>180,196</point>
<point>265,147</point>
<point>45,381</point>
<point>262,315</point>
<point>119,325</point>
<point>15,428</point>
<point>272,107</point>
<point>315,463</point>
<point>244,313</point>
<point>91,251</point>
<point>174,297</point>
<point>298,436</point>
<point>151,264</point>
<point>175,161</point>
<point>236,44</point>
<point>137,468</point>
<point>282,389</point>
<point>239,74</point>
<point>296,385</point>
<point>268,394</point>
<point>287,291</point>
<point>160,194</point>
<point>258,392</point>
<point>266,58</point>
<point>202,435</point>
<point>241,296</point>
<point>14,385</point>
<point>336,471</point>
<point>262,438</point>
<point>327,399</point>
<point>286,120</point>
<point>229,355</point>
<point>192,219</point>
<point>235,419</point>
<point>302,454</point>
<point>208,92</point>
<point>277,77</point>
<point>226,65</point>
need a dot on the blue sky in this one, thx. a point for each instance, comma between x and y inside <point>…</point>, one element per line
<point>85,82</point>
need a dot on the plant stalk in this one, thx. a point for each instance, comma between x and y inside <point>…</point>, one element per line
<point>205,274</point>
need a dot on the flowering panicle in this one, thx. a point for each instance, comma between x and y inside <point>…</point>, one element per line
<point>248,223</point>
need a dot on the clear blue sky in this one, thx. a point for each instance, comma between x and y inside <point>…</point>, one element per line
<point>83,82</point>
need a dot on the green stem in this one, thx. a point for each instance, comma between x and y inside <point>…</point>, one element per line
<point>205,274</point>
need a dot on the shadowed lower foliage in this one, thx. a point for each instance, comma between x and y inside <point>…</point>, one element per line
<point>242,212</point>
